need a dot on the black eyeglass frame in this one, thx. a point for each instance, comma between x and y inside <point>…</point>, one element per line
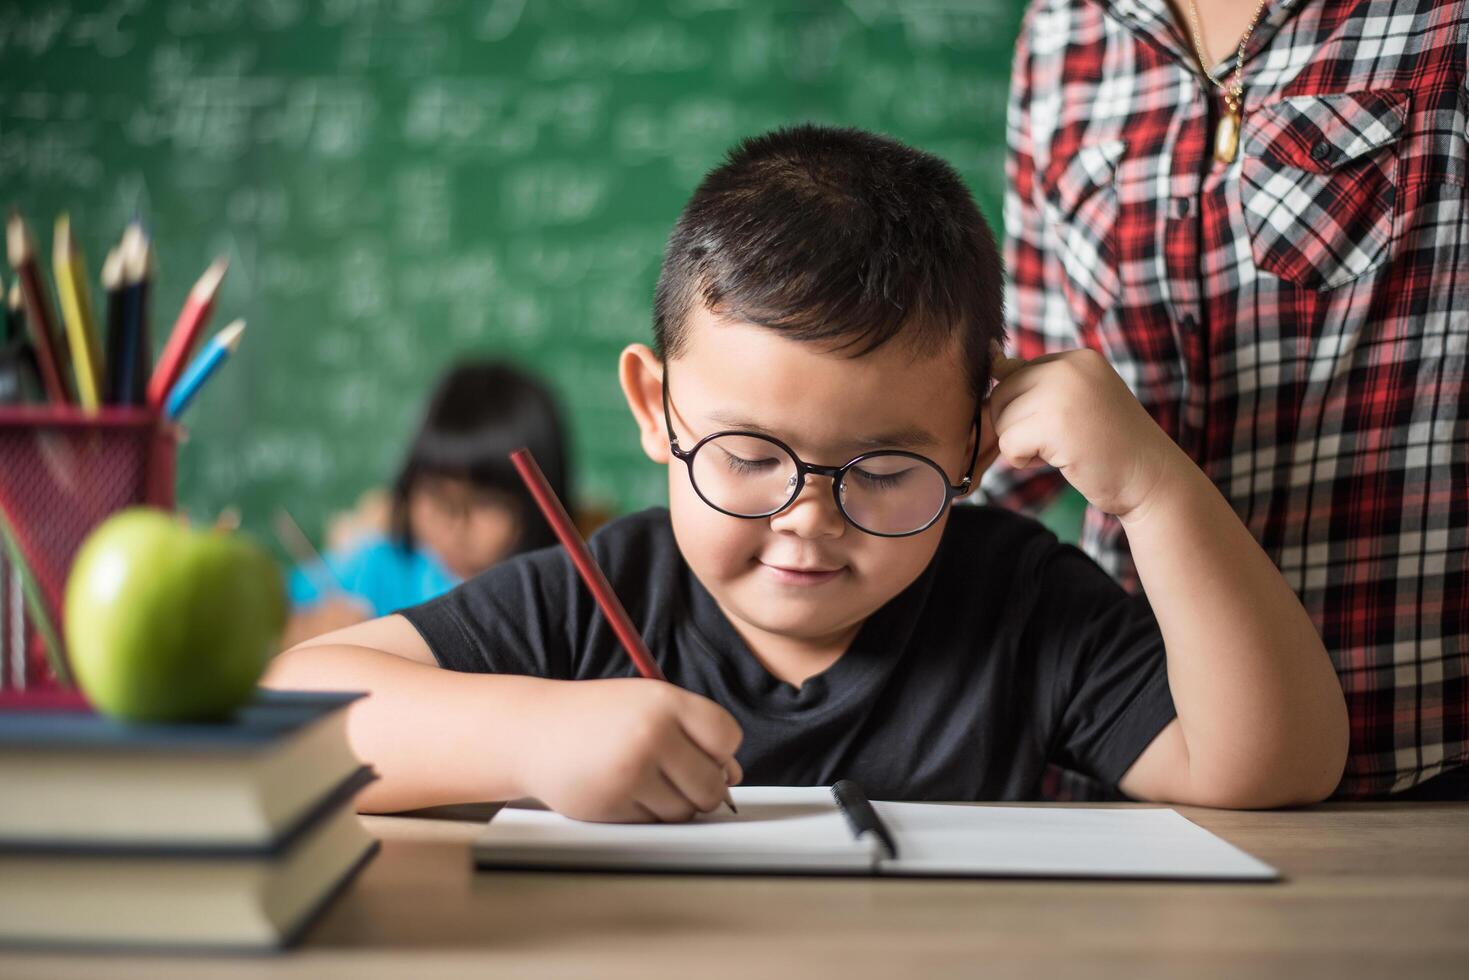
<point>835,473</point>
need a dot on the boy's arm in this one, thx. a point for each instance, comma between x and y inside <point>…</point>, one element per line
<point>433,735</point>
<point>624,749</point>
<point>1261,718</point>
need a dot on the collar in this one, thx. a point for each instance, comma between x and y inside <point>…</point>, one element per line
<point>1155,22</point>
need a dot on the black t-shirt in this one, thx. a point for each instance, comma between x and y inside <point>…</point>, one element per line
<point>1009,651</point>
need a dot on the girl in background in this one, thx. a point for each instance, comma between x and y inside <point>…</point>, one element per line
<point>456,507</point>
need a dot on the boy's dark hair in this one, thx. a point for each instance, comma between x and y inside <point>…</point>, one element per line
<point>836,235</point>
<point>479,413</point>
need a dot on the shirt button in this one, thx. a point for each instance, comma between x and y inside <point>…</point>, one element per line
<point>1187,321</point>
<point>1321,151</point>
<point>1183,207</point>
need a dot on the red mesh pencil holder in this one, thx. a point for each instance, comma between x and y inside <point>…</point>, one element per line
<point>62,472</point>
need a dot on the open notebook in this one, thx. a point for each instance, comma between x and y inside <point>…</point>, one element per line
<point>820,830</point>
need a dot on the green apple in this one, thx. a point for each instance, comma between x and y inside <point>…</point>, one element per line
<point>168,623</point>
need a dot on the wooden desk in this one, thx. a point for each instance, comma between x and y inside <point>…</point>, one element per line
<point>1377,890</point>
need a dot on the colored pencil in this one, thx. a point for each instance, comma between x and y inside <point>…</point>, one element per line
<point>15,313</point>
<point>15,631</point>
<point>22,253</point>
<point>35,603</point>
<point>18,381</point>
<point>130,373</point>
<point>24,383</point>
<point>590,572</point>
<point>203,367</point>
<point>112,283</point>
<point>76,310</point>
<point>304,554</point>
<point>186,331</point>
<point>6,626</point>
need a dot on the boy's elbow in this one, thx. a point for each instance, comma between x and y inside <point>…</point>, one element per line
<point>1305,773</point>
<point>1323,747</point>
<point>1262,791</point>
<point>1309,779</point>
<point>1310,759</point>
<point>1334,741</point>
<point>1293,790</point>
<point>1327,733</point>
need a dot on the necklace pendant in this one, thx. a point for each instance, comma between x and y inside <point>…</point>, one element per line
<point>1226,137</point>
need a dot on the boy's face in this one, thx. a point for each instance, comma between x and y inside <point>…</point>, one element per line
<point>804,575</point>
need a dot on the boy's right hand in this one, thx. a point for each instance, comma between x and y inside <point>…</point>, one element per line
<point>1072,411</point>
<point>629,750</point>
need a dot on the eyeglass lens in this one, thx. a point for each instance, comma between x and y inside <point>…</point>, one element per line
<point>885,493</point>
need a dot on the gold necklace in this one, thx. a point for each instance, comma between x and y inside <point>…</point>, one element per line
<point>1226,136</point>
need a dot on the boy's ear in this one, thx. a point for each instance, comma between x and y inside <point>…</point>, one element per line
<point>641,374</point>
<point>989,444</point>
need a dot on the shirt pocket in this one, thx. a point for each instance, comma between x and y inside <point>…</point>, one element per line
<point>1081,208</point>
<point>1318,185</point>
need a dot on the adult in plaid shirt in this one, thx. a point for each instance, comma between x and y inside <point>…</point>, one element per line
<point>1295,316</point>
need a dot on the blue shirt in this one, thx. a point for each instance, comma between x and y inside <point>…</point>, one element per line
<point>377,571</point>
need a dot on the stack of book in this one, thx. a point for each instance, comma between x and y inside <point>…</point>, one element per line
<point>230,835</point>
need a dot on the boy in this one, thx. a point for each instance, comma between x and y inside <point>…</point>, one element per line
<point>826,322</point>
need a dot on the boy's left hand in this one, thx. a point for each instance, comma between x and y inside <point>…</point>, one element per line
<point>1072,411</point>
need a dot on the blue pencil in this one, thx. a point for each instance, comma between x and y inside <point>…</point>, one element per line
<point>202,368</point>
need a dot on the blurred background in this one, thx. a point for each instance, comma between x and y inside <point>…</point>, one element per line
<point>401,184</point>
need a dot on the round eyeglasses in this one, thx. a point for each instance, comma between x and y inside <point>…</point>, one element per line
<point>890,493</point>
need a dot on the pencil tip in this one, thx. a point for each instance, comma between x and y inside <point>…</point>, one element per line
<point>209,282</point>
<point>112,269</point>
<point>230,335</point>
<point>16,244</point>
<point>137,254</point>
<point>61,236</point>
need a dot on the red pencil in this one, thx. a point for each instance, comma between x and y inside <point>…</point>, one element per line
<point>590,572</point>
<point>22,254</point>
<point>186,331</point>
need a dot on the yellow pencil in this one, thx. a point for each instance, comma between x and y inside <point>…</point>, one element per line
<point>76,310</point>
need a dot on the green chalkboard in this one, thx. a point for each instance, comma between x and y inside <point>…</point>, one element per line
<point>398,183</point>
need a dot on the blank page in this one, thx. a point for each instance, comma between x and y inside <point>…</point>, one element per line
<point>1059,842</point>
<point>778,830</point>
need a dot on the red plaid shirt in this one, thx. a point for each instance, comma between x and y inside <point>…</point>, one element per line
<point>1296,319</point>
